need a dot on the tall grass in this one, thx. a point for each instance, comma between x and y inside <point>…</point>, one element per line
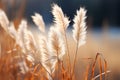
<point>40,57</point>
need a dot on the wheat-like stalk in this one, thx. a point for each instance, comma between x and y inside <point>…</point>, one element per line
<point>30,58</point>
<point>45,58</point>
<point>23,67</point>
<point>79,31</point>
<point>7,26</point>
<point>44,54</point>
<point>10,29</point>
<point>56,44</point>
<point>61,21</point>
<point>21,30</point>
<point>38,20</point>
<point>29,41</point>
<point>56,47</point>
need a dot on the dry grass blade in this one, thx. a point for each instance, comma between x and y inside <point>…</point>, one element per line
<point>93,66</point>
<point>35,68</point>
<point>87,72</point>
<point>38,20</point>
<point>100,68</point>
<point>105,64</point>
<point>105,68</point>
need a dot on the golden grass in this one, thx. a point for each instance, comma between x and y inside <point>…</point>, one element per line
<point>46,59</point>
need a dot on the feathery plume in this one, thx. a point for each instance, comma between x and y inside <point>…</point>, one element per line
<point>56,47</point>
<point>45,57</point>
<point>62,22</point>
<point>38,20</point>
<point>44,53</point>
<point>79,32</point>
<point>56,44</point>
<point>29,41</point>
<point>20,40</point>
<point>4,20</point>
<point>60,19</point>
<point>30,58</point>
<point>23,67</point>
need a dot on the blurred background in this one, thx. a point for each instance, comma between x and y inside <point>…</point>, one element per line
<point>103,21</point>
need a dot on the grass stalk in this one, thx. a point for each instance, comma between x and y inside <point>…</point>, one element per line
<point>100,68</point>
<point>68,54</point>
<point>75,58</point>
<point>47,71</point>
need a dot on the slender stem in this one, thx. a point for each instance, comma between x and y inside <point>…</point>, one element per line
<point>57,70</point>
<point>47,71</point>
<point>75,58</point>
<point>23,60</point>
<point>100,68</point>
<point>57,66</point>
<point>68,54</point>
<point>0,51</point>
<point>62,68</point>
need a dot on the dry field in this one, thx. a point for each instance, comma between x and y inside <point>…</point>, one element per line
<point>31,54</point>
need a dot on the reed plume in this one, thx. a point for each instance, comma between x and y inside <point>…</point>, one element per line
<point>12,31</point>
<point>21,30</point>
<point>56,44</point>
<point>79,31</point>
<point>45,58</point>
<point>7,26</point>
<point>62,22</point>
<point>4,20</point>
<point>38,20</point>
<point>44,54</point>
<point>29,41</point>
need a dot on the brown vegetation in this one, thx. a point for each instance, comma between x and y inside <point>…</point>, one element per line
<point>25,56</point>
